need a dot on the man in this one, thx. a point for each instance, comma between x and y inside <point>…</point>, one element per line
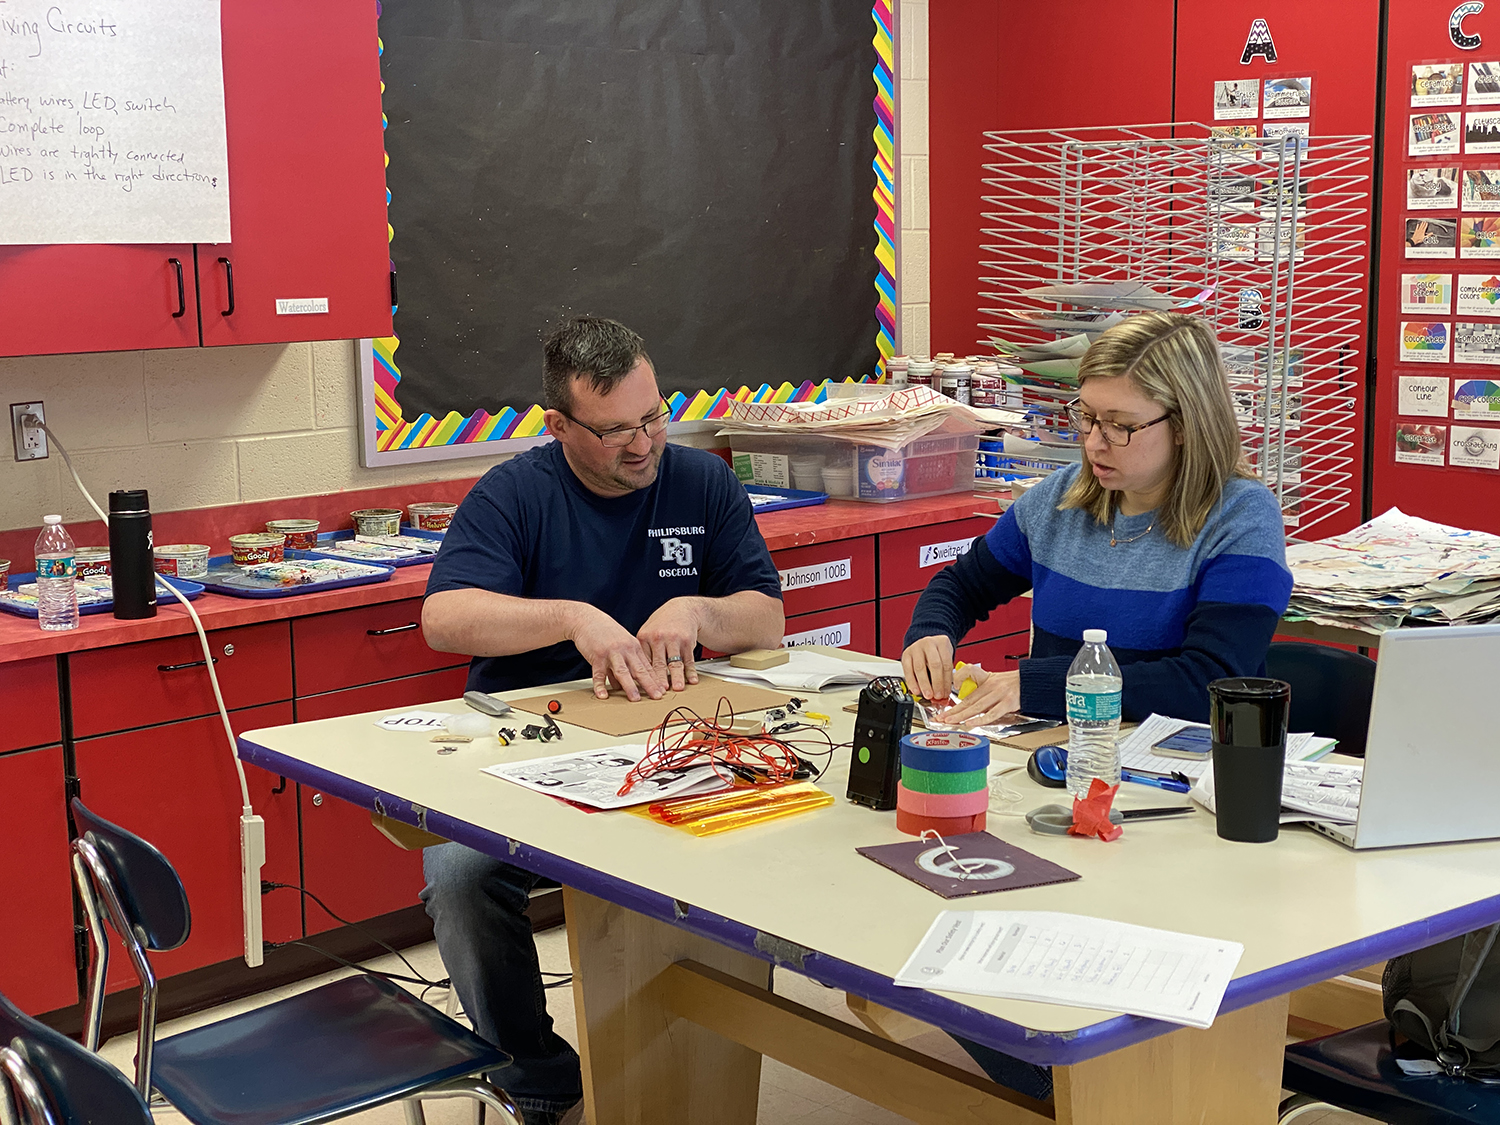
<point>605,553</point>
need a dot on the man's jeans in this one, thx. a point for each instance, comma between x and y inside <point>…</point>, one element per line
<point>477,905</point>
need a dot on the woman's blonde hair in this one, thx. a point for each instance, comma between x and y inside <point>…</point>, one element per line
<point>1174,359</point>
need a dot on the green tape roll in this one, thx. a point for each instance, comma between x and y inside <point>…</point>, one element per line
<point>930,781</point>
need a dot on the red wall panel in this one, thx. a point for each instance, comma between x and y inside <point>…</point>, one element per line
<point>1468,497</point>
<point>1024,66</point>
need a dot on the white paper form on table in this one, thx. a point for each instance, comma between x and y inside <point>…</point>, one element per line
<point>1075,960</point>
<point>1310,791</point>
<point>594,778</point>
<point>1136,754</point>
<point>807,671</point>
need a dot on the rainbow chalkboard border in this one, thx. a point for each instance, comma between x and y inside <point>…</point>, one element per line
<point>391,437</point>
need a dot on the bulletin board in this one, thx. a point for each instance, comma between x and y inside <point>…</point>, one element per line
<point>699,172</point>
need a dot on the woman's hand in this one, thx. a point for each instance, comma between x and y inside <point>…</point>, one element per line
<point>928,667</point>
<point>995,694</point>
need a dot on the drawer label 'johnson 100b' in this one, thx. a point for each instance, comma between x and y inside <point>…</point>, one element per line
<point>818,574</point>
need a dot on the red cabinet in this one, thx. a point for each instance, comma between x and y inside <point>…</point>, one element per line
<point>37,960</point>
<point>1002,654</point>
<point>896,613</point>
<point>362,646</point>
<point>97,298</point>
<point>159,681</point>
<point>175,786</point>
<point>826,574</point>
<point>306,177</point>
<point>909,559</point>
<point>851,626</point>
<point>345,861</point>
<point>28,699</point>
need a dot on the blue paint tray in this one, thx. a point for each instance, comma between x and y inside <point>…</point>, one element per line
<point>242,582</point>
<point>332,544</point>
<point>10,603</point>
<point>764,499</point>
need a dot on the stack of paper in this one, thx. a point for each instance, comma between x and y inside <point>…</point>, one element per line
<point>807,671</point>
<point>1136,748</point>
<point>891,421</point>
<point>1327,791</point>
<point>1074,960</point>
<point>1396,569</point>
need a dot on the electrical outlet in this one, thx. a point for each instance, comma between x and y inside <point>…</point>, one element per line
<point>30,441</point>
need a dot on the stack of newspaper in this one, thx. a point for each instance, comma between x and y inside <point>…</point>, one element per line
<point>891,420</point>
<point>1396,570</point>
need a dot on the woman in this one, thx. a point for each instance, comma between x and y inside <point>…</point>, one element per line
<point>1163,536</point>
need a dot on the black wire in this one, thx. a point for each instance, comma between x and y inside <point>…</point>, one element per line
<point>418,978</point>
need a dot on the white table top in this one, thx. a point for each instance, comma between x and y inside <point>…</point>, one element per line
<point>801,880</point>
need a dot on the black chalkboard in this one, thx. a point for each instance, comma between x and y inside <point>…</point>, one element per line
<point>699,171</point>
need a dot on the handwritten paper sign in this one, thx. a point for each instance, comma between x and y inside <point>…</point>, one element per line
<point>112,122</point>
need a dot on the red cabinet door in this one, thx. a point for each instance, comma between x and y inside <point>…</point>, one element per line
<point>896,613</point>
<point>28,699</point>
<point>363,646</point>
<point>175,786</point>
<point>909,558</point>
<point>306,176</point>
<point>1003,654</point>
<point>345,861</point>
<point>826,574</point>
<point>159,681</point>
<point>851,627</point>
<point>96,298</point>
<point>38,972</point>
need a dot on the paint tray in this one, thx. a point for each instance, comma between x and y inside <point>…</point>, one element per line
<point>304,573</point>
<point>94,595</point>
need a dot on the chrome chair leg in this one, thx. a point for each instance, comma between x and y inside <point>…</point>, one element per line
<point>484,1093</point>
<point>413,1110</point>
<point>1294,1106</point>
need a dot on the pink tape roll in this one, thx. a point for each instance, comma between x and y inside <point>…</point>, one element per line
<point>942,804</point>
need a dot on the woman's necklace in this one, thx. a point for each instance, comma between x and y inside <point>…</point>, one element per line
<point>1113,542</point>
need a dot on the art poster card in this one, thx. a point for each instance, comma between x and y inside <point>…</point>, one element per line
<point>1271,191</point>
<point>1484,83</point>
<point>1276,130</point>
<point>1437,84</point>
<point>1235,241</point>
<point>1431,238</point>
<point>1478,294</point>
<point>1431,189</point>
<point>1426,293</point>
<point>1479,237</point>
<point>1474,447</point>
<point>1475,342</point>
<point>1237,99</point>
<point>1232,193</point>
<point>1422,396</point>
<point>1288,97</point>
<point>1433,134</point>
<point>1482,131</point>
<point>1478,399</point>
<point>1418,444</point>
<point>1235,140</point>
<point>1271,247</point>
<point>1423,341</point>
<point>1481,189</point>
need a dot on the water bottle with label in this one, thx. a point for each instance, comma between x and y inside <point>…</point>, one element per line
<point>56,590</point>
<point>1093,697</point>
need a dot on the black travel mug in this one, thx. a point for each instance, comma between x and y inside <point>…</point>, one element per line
<point>132,571</point>
<point>1247,721</point>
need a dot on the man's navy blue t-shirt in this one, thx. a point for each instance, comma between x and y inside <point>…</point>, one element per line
<point>530,529</point>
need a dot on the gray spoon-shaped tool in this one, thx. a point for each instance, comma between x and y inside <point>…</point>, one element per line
<point>487,704</point>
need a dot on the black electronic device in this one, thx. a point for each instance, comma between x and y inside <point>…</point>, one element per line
<point>884,719</point>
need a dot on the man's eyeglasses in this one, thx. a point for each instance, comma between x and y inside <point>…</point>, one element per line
<point>1115,433</point>
<point>622,436</point>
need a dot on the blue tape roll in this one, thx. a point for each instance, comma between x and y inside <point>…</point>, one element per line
<point>941,751</point>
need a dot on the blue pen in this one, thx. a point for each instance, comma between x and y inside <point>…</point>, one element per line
<point>1170,784</point>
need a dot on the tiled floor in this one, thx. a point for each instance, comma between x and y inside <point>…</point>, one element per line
<point>787,1097</point>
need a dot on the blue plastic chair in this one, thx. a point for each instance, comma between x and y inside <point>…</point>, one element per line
<point>324,1054</point>
<point>1331,691</point>
<point>54,1081</point>
<point>1356,1071</point>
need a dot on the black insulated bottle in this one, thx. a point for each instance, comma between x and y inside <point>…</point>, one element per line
<point>131,563</point>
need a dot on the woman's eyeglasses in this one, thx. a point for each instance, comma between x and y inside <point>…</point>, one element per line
<point>1116,433</point>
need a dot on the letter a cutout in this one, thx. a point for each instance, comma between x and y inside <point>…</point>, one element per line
<point>1259,42</point>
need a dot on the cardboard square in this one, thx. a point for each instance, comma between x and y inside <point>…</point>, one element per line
<point>924,861</point>
<point>617,716</point>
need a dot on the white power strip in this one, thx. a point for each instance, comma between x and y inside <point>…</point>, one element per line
<point>252,859</point>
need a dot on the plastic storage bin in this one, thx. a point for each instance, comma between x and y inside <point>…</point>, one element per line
<point>929,466</point>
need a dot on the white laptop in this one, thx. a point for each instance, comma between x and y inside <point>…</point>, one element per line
<point>1432,760</point>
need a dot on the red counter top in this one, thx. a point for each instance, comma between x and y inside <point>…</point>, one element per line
<point>21,639</point>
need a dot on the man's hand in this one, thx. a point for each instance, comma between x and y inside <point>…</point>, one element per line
<point>996,694</point>
<point>928,665</point>
<point>669,637</point>
<point>615,655</point>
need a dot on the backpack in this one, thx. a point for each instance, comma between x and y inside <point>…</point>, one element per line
<point>1446,999</point>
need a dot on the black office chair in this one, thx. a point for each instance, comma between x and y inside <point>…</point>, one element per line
<point>1331,691</point>
<point>323,1054</point>
<point>54,1081</point>
<point>1356,1071</point>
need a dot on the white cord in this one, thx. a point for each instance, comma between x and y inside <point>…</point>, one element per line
<point>208,656</point>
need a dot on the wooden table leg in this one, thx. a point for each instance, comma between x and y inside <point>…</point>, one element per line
<point>641,1064</point>
<point>1227,1075</point>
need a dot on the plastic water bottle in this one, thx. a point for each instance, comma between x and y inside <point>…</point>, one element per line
<point>56,577</point>
<point>1093,698</point>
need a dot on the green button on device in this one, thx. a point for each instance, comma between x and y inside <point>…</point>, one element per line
<point>864,755</point>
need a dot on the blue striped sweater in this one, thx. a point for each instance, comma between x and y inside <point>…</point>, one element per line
<point>1177,618</point>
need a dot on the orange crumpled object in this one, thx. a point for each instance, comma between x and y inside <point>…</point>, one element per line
<point>1091,813</point>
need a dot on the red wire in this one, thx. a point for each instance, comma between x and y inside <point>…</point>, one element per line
<point>713,743</point>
